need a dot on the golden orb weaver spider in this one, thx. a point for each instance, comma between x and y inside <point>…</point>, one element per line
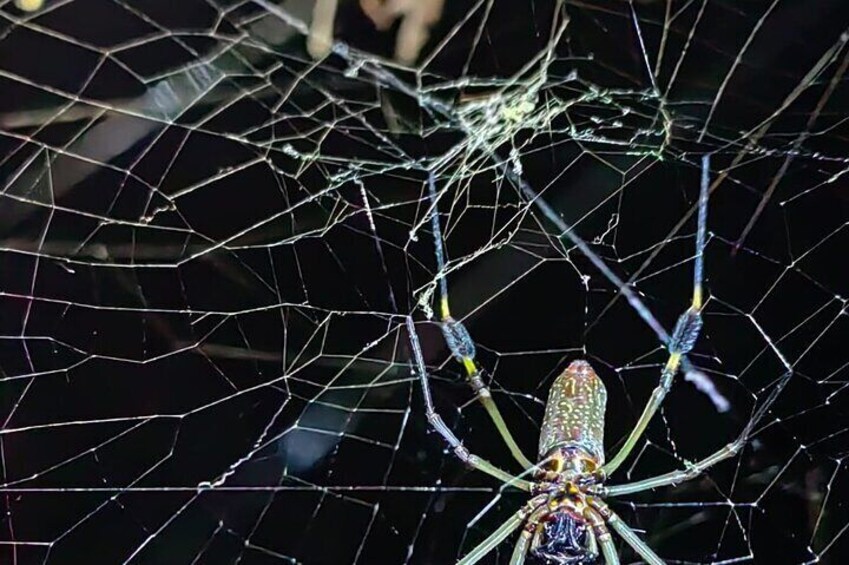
<point>566,520</point>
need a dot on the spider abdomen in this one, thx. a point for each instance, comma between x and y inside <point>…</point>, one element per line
<point>574,413</point>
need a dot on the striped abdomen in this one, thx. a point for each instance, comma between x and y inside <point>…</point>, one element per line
<point>574,414</point>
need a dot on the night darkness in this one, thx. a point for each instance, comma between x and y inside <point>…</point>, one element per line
<point>210,242</point>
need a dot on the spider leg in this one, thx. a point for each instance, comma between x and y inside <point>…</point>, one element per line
<point>460,342</point>
<point>592,543</point>
<point>632,539</point>
<point>627,534</point>
<point>503,531</point>
<point>521,549</point>
<point>438,424</point>
<point>684,335</point>
<point>692,471</point>
<point>524,542</point>
<point>602,535</point>
<point>608,550</point>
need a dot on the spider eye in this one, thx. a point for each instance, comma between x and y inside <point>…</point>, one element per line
<point>564,541</point>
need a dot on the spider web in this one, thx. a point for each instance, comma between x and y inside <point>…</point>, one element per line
<point>210,242</point>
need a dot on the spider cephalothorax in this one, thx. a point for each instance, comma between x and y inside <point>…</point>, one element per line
<point>563,538</point>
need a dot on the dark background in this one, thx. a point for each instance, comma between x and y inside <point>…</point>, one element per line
<point>189,281</point>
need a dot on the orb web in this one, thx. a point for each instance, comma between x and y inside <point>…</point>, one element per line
<point>210,241</point>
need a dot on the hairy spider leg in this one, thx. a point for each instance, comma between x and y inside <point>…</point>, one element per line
<point>503,531</point>
<point>438,424</point>
<point>684,335</point>
<point>460,341</point>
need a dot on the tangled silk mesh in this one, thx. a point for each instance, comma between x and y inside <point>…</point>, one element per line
<point>209,243</point>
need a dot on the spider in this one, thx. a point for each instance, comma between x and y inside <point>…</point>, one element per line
<point>566,520</point>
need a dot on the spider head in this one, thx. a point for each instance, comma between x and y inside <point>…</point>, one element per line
<point>563,539</point>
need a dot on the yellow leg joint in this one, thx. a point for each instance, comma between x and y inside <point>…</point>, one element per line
<point>697,298</point>
<point>674,361</point>
<point>443,308</point>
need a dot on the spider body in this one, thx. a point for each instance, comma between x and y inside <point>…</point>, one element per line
<point>566,519</point>
<point>571,450</point>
